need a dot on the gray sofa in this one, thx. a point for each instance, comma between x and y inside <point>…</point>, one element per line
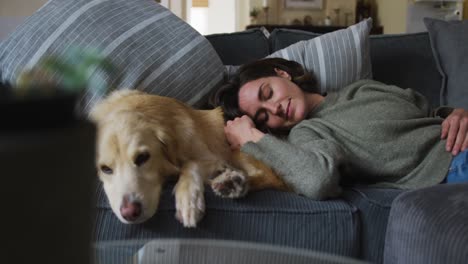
<point>353,225</point>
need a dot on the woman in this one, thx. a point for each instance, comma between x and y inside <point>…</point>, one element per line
<point>368,132</point>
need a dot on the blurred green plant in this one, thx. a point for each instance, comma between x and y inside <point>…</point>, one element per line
<point>254,12</point>
<point>72,73</point>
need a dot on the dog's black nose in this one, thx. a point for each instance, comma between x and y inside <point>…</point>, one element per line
<point>130,210</point>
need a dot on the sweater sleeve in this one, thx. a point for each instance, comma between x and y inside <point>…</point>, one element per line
<point>307,164</point>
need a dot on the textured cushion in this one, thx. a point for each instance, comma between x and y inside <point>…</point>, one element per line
<point>337,58</point>
<point>267,216</point>
<point>429,226</point>
<point>449,42</point>
<point>240,47</point>
<point>153,49</point>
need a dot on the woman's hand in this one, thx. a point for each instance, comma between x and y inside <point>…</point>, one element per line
<point>240,131</point>
<point>455,130</point>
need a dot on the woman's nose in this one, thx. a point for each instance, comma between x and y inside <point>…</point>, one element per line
<point>273,107</point>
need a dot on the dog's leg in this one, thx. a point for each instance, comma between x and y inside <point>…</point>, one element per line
<point>247,174</point>
<point>190,201</point>
<point>229,182</point>
<point>259,175</point>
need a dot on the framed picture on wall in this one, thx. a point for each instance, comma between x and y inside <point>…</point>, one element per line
<point>303,4</point>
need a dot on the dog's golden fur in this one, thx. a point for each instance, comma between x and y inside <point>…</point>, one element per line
<point>145,139</point>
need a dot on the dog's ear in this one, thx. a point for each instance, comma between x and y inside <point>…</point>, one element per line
<point>169,145</point>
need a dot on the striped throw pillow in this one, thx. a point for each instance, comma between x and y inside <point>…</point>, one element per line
<point>337,58</point>
<point>153,50</point>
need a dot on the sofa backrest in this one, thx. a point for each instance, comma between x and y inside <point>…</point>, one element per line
<point>407,61</point>
<point>240,47</point>
<point>404,60</point>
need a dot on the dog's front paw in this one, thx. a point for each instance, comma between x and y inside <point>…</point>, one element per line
<point>230,183</point>
<point>190,206</point>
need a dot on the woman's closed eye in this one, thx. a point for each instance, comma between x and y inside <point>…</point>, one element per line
<point>266,92</point>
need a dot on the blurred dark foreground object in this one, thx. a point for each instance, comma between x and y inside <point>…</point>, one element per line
<point>35,111</point>
<point>48,177</point>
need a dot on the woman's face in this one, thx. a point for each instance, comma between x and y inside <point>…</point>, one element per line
<point>275,101</point>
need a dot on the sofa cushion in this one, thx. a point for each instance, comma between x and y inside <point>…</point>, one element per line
<point>374,207</point>
<point>152,49</point>
<point>267,216</point>
<point>240,47</point>
<point>337,58</point>
<point>406,61</point>
<point>449,42</point>
<point>429,226</point>
<point>281,38</point>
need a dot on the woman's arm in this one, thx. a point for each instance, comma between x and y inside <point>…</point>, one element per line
<point>309,165</point>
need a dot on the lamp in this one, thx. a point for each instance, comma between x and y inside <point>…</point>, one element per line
<point>265,10</point>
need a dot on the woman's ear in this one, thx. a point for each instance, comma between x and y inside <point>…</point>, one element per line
<point>283,74</point>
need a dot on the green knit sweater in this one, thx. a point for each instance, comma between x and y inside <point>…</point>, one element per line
<point>369,133</point>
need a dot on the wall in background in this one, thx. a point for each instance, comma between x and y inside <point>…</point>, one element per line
<point>13,13</point>
<point>19,7</point>
<point>178,7</point>
<point>242,14</point>
<point>392,15</point>
<point>219,16</point>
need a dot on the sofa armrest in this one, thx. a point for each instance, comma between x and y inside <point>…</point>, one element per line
<point>429,226</point>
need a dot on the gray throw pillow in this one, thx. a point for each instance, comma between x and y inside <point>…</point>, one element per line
<point>153,50</point>
<point>337,58</point>
<point>449,41</point>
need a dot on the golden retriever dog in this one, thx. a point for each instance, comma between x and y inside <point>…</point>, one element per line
<point>143,140</point>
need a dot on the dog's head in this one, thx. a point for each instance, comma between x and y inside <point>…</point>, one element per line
<point>133,157</point>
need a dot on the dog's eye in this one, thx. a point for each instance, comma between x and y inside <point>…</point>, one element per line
<point>141,158</point>
<point>106,169</point>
